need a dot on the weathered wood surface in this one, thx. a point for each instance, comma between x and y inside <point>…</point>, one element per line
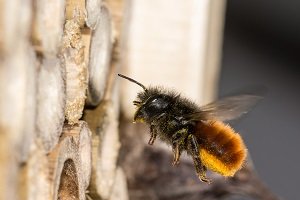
<point>48,49</point>
<point>99,57</point>
<point>103,121</point>
<point>48,24</point>
<point>51,100</point>
<point>72,56</point>
<point>70,162</point>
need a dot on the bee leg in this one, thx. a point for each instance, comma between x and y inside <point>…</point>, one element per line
<point>177,142</point>
<point>193,149</point>
<point>153,135</point>
<point>136,103</point>
<point>176,153</point>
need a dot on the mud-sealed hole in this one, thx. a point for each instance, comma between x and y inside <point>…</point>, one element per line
<point>68,186</point>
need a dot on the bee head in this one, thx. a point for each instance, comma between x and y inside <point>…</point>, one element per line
<point>154,106</point>
<point>150,103</point>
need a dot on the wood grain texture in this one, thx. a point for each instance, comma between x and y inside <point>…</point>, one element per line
<point>48,24</point>
<point>75,9</point>
<point>93,12</point>
<point>99,57</point>
<point>103,121</point>
<point>45,147</point>
<point>70,162</point>
<point>50,102</point>
<point>72,57</point>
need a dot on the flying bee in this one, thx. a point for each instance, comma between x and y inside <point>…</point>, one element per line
<point>200,131</point>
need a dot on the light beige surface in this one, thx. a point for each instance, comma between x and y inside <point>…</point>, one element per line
<point>168,43</point>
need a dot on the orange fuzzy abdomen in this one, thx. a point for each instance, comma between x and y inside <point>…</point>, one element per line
<point>221,149</point>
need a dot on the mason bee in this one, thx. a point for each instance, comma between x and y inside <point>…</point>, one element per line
<point>200,131</point>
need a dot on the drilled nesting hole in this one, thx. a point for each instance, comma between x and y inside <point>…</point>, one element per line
<point>68,186</point>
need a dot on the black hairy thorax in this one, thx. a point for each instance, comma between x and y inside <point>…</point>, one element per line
<point>166,111</point>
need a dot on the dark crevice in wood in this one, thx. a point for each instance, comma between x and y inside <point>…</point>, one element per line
<point>68,187</point>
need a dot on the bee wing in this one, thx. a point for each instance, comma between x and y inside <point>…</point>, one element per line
<point>227,108</point>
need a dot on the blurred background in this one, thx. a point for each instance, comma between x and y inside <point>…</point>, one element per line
<point>212,48</point>
<point>261,47</point>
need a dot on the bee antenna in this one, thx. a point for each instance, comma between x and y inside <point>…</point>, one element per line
<point>134,81</point>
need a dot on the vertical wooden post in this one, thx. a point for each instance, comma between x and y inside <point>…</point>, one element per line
<point>170,43</point>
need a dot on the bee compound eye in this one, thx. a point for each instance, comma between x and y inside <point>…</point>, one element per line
<point>158,103</point>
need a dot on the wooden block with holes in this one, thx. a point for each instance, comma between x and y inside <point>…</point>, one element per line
<point>55,63</point>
